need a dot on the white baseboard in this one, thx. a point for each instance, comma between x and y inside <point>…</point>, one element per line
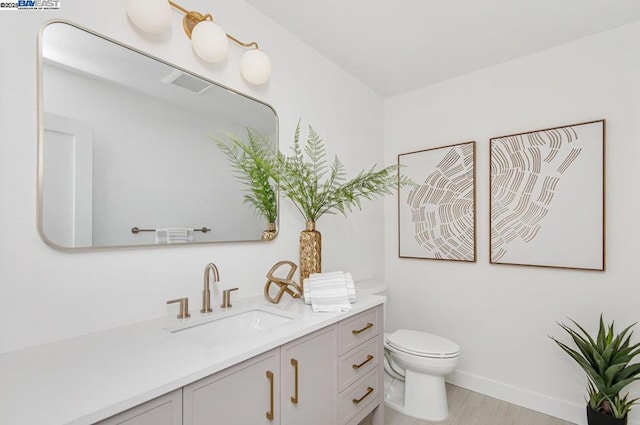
<point>571,412</point>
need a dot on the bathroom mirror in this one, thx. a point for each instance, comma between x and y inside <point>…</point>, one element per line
<point>125,142</point>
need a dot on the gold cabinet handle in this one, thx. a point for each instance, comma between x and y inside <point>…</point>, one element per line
<point>358,366</point>
<point>270,378</point>
<point>358,400</point>
<point>294,399</point>
<point>356,332</point>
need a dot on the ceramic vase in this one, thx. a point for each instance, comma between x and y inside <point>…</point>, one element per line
<point>310,251</point>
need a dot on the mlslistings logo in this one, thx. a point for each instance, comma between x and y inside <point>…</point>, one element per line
<point>30,5</point>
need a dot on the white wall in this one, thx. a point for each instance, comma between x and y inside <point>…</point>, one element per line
<point>501,315</point>
<point>47,295</point>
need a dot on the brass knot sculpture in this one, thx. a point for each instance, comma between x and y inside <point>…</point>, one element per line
<point>286,285</point>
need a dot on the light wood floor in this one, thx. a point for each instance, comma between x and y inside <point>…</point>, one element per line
<point>470,408</point>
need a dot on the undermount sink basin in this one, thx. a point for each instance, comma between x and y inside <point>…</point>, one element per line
<point>218,330</point>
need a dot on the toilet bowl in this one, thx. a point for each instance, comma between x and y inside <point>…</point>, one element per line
<point>415,363</point>
<point>423,360</point>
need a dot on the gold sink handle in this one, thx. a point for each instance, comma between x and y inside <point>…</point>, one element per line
<point>226,297</point>
<point>184,307</point>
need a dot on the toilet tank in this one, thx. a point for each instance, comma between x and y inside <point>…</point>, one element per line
<point>372,286</point>
<point>376,287</point>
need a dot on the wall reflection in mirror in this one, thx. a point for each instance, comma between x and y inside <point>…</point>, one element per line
<point>126,142</point>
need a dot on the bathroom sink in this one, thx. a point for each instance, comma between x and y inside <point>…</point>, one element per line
<point>216,330</point>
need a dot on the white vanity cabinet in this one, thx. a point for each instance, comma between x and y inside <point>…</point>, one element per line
<point>339,373</point>
<point>332,376</point>
<point>294,384</point>
<point>164,410</point>
<point>310,379</point>
<point>245,394</point>
<point>248,381</point>
<point>361,380</point>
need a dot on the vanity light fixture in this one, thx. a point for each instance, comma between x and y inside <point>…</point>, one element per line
<point>209,41</point>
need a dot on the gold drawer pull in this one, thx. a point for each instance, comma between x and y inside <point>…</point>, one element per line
<point>358,400</point>
<point>358,366</point>
<point>270,412</point>
<point>294,398</point>
<point>369,325</point>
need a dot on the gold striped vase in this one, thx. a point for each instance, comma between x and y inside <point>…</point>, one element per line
<point>310,251</point>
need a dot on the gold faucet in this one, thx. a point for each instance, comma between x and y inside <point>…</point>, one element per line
<point>206,292</point>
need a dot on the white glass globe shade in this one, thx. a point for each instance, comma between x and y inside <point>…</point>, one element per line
<point>209,41</point>
<point>255,66</point>
<point>152,16</point>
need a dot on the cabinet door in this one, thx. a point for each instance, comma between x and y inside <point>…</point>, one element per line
<point>164,410</point>
<point>245,394</point>
<point>310,379</point>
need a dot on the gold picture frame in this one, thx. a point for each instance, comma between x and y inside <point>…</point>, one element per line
<point>547,197</point>
<point>437,215</point>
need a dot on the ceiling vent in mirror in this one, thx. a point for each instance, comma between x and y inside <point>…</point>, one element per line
<point>186,81</point>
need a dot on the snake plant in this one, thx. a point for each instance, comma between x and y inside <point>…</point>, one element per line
<point>606,359</point>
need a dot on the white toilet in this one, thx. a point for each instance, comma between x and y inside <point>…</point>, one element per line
<point>416,363</point>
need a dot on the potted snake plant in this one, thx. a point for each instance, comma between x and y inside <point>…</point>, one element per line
<point>606,359</point>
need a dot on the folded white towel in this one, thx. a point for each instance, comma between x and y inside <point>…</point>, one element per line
<point>314,277</point>
<point>327,292</point>
<point>329,296</point>
<point>306,293</point>
<point>351,287</point>
<point>161,236</point>
<point>173,235</point>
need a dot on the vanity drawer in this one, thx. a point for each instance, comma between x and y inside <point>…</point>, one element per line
<point>358,362</point>
<point>360,395</point>
<point>358,329</point>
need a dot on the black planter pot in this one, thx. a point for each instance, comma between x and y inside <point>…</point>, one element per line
<point>596,418</point>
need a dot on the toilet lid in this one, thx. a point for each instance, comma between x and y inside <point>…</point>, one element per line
<point>422,344</point>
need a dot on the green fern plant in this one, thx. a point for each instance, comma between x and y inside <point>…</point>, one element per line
<point>242,155</point>
<point>606,361</point>
<point>317,188</point>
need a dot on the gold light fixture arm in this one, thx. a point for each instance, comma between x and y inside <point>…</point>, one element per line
<point>177,6</point>
<point>247,45</point>
<point>192,18</point>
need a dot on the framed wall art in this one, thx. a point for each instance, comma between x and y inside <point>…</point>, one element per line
<point>437,216</point>
<point>547,197</point>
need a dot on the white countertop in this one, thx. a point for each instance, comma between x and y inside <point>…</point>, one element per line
<point>83,380</point>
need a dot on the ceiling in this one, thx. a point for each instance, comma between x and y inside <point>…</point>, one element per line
<point>395,46</point>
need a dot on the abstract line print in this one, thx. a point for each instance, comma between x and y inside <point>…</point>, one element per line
<point>547,197</point>
<point>436,217</point>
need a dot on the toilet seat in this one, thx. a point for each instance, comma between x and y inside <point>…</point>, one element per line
<point>422,344</point>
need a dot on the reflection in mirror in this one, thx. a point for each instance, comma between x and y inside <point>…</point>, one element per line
<point>126,142</point>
